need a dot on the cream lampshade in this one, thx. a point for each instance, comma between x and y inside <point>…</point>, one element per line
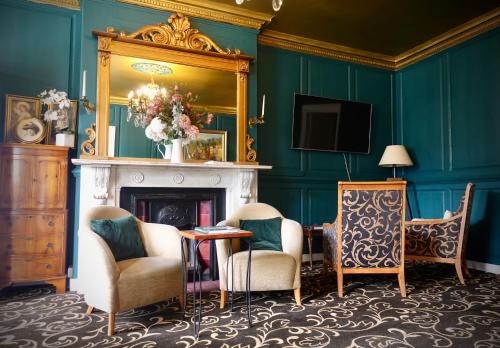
<point>395,156</point>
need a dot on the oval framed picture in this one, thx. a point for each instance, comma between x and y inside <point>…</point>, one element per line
<point>30,131</point>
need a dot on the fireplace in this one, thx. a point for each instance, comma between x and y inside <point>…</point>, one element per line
<point>183,208</point>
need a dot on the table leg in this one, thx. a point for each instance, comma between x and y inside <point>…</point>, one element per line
<point>248,285</point>
<point>232,277</point>
<point>184,276</point>
<point>309,243</point>
<point>197,305</point>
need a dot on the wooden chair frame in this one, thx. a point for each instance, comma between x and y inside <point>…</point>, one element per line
<point>337,266</point>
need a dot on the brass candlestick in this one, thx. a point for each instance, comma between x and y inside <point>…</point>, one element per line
<point>89,107</point>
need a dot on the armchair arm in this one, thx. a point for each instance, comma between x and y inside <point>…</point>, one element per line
<point>98,272</point>
<point>292,239</point>
<point>435,238</point>
<point>161,240</point>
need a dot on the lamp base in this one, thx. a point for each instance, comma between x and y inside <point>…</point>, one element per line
<point>395,179</point>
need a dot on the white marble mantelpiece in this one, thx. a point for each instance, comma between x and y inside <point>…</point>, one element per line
<point>101,180</point>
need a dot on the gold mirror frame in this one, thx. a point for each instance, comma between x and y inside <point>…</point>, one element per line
<point>174,42</point>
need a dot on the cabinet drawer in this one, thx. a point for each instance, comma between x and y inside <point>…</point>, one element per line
<point>46,244</point>
<point>49,223</point>
<point>14,223</point>
<point>27,268</point>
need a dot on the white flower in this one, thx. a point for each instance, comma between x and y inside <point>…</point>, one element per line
<point>155,130</point>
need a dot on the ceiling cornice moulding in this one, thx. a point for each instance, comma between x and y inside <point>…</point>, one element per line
<point>325,49</point>
<point>455,36</point>
<point>69,4</point>
<point>208,10</point>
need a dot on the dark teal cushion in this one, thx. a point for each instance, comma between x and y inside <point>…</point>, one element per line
<point>266,234</point>
<point>122,236</point>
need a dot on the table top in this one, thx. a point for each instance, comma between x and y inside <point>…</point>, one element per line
<point>314,230</point>
<point>195,235</point>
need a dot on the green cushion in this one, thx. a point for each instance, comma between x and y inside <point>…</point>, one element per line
<point>122,236</point>
<point>266,234</point>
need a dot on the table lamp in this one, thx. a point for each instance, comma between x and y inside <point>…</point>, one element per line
<point>395,156</point>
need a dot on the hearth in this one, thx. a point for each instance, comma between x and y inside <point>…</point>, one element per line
<point>183,208</point>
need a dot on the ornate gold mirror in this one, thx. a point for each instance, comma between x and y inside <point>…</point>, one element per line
<point>164,56</point>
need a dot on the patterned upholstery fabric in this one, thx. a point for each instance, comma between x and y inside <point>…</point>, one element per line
<point>330,242</point>
<point>439,238</point>
<point>371,221</point>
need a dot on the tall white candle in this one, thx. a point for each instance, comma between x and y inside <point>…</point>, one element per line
<point>84,83</point>
<point>263,104</point>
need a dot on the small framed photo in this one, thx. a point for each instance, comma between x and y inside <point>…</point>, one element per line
<point>22,120</point>
<point>210,145</point>
<point>67,123</point>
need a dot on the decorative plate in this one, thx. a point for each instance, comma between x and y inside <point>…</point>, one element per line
<point>30,131</point>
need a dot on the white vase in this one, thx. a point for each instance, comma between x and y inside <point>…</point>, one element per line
<point>64,139</point>
<point>177,153</point>
<point>167,150</point>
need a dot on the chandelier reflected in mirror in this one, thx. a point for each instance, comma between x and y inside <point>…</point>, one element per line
<point>276,3</point>
<point>139,99</point>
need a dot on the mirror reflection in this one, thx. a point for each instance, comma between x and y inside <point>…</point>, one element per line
<point>138,85</point>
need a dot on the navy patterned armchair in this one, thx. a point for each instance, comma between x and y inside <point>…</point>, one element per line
<point>369,226</point>
<point>442,240</point>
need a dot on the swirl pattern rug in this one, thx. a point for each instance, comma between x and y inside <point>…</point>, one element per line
<point>438,312</point>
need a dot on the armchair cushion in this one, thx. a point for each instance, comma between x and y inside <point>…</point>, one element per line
<point>267,234</point>
<point>121,235</point>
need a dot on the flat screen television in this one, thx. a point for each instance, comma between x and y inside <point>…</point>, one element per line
<point>325,124</point>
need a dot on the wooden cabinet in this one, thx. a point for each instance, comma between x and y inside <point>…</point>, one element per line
<point>33,215</point>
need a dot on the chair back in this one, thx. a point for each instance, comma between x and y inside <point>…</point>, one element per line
<point>465,208</point>
<point>371,224</point>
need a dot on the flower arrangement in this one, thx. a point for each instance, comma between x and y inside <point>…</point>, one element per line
<point>170,115</point>
<point>59,98</point>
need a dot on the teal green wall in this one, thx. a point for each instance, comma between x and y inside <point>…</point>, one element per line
<point>303,184</point>
<point>40,49</point>
<point>447,115</point>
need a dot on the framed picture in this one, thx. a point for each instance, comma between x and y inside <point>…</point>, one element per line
<point>67,123</point>
<point>22,120</point>
<point>210,145</point>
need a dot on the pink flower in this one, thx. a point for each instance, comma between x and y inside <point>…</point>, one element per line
<point>192,132</point>
<point>210,118</point>
<point>184,122</point>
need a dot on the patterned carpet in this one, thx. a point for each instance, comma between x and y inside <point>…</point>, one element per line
<point>438,312</point>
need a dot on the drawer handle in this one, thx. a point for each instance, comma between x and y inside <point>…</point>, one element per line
<point>50,245</point>
<point>8,268</point>
<point>48,266</point>
<point>29,238</point>
<point>51,223</point>
<point>9,246</point>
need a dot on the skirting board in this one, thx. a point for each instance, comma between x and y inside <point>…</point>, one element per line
<point>480,266</point>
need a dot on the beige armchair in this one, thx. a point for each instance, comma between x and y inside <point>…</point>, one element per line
<point>117,286</point>
<point>271,270</point>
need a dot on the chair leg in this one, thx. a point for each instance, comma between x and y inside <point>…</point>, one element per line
<point>325,267</point>
<point>111,324</point>
<point>223,298</point>
<point>458,267</point>
<point>465,269</point>
<point>90,309</point>
<point>296,293</point>
<point>340,284</point>
<point>402,285</point>
<point>182,300</point>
